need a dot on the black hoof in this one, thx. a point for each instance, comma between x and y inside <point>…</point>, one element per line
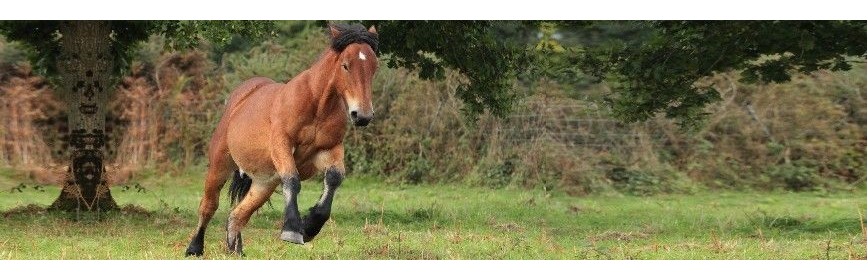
<point>313,223</point>
<point>193,251</point>
<point>197,244</point>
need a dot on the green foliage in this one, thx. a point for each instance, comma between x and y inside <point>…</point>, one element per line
<point>487,62</point>
<point>417,170</point>
<point>278,58</point>
<point>189,34</point>
<point>648,181</point>
<point>42,37</point>
<point>288,34</point>
<point>653,67</point>
<point>634,182</point>
<point>500,174</point>
<point>660,75</point>
<point>10,52</point>
<point>799,175</point>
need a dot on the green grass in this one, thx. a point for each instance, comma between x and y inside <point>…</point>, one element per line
<point>376,220</point>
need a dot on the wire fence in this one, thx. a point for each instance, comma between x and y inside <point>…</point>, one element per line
<point>575,125</point>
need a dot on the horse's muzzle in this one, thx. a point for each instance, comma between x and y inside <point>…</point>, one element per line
<point>359,119</point>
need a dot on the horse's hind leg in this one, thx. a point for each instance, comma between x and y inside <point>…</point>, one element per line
<point>219,171</point>
<point>238,218</point>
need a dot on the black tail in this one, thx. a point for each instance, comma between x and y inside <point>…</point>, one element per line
<point>239,187</point>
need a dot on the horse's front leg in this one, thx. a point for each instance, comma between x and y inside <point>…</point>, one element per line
<point>332,162</point>
<point>291,218</point>
<point>282,156</point>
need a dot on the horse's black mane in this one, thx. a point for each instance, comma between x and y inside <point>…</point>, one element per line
<point>354,33</point>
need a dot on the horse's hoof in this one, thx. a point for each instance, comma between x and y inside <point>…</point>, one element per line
<point>237,254</point>
<point>194,251</point>
<point>191,253</point>
<point>291,236</point>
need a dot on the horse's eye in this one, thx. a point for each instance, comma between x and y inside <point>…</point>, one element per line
<point>346,67</point>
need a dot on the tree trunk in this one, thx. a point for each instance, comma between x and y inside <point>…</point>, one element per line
<point>84,67</point>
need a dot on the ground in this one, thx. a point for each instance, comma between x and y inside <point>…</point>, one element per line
<point>373,219</point>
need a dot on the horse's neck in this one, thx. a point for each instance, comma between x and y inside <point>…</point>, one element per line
<point>323,88</point>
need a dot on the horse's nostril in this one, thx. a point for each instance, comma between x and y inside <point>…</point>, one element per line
<point>354,114</point>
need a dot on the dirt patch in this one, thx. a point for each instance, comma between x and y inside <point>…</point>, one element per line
<point>509,227</point>
<point>135,210</point>
<point>171,220</point>
<point>29,209</point>
<point>618,235</point>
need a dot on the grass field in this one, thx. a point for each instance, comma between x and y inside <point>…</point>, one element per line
<point>377,220</point>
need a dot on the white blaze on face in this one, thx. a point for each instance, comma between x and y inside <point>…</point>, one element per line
<point>362,56</point>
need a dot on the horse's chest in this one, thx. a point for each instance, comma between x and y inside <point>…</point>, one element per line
<point>312,141</point>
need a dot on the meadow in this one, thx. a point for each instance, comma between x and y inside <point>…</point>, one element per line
<point>376,219</point>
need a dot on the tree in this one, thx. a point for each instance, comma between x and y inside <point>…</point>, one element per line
<point>83,60</point>
<point>488,62</point>
<point>652,66</point>
<point>658,73</point>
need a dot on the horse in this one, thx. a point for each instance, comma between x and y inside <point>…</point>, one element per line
<point>274,133</point>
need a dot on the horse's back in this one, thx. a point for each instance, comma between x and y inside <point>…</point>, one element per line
<point>244,90</point>
<point>236,98</point>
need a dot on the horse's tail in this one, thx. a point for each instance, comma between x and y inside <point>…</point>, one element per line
<point>239,187</point>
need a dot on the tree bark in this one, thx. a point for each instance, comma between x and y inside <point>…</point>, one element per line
<point>84,67</point>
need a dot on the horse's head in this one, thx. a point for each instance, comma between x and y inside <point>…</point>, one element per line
<point>357,64</point>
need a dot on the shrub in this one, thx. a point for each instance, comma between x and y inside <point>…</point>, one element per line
<point>796,176</point>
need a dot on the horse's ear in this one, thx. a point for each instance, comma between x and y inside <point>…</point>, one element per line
<point>334,31</point>
<point>373,30</point>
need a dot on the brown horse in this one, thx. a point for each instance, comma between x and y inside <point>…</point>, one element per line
<point>273,133</point>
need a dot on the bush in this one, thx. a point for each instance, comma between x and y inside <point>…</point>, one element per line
<point>797,176</point>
